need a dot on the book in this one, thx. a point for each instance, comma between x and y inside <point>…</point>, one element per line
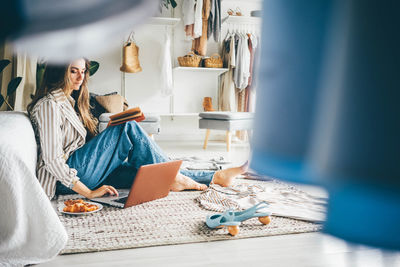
<point>128,115</point>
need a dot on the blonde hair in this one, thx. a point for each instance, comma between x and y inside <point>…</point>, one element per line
<point>56,77</point>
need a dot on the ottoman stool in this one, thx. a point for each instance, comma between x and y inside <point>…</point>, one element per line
<point>151,123</point>
<point>227,121</point>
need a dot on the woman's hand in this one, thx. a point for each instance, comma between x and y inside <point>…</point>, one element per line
<point>82,189</point>
<point>101,191</point>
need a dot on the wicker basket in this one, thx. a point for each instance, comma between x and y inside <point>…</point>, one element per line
<point>189,60</point>
<point>215,61</point>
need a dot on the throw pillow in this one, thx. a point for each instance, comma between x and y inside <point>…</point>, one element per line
<point>112,103</point>
<point>95,108</point>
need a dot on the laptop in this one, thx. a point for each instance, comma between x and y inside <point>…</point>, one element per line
<point>152,182</point>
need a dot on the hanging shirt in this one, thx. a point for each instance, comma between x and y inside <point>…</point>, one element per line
<point>242,70</point>
<point>256,61</point>
<point>214,20</point>
<point>198,19</point>
<point>226,99</point>
<point>246,63</point>
<point>188,16</point>
<point>188,8</point>
<point>166,82</point>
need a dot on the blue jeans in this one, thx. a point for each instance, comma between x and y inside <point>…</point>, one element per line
<point>114,156</point>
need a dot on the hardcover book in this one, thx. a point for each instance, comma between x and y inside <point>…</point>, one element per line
<point>128,115</point>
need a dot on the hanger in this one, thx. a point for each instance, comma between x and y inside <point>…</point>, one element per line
<point>131,38</point>
<point>228,33</point>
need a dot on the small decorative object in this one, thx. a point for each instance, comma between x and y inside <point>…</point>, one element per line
<point>130,56</point>
<point>207,104</point>
<point>215,61</point>
<point>237,12</point>
<point>189,60</point>
<point>232,219</point>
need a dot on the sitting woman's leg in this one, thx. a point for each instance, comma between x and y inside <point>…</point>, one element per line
<point>143,150</point>
<point>98,158</point>
<point>226,177</point>
<point>106,154</point>
<point>115,155</point>
<point>222,177</point>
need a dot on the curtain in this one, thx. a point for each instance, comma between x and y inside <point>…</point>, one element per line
<point>21,66</point>
<point>327,110</point>
<point>26,68</point>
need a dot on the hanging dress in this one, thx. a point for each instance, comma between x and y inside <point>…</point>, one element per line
<point>166,79</point>
<point>226,95</point>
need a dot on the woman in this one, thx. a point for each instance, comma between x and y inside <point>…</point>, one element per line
<point>62,121</point>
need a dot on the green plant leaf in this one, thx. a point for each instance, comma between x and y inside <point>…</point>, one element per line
<point>13,85</point>
<point>94,66</point>
<point>173,3</point>
<point>40,68</point>
<point>1,100</point>
<point>3,64</point>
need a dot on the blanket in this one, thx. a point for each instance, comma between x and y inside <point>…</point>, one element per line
<point>30,229</point>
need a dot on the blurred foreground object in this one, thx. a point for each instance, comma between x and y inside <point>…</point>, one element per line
<point>63,30</point>
<point>327,110</point>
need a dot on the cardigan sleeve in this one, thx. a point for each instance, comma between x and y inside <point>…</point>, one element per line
<point>48,119</point>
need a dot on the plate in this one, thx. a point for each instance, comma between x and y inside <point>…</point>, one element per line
<point>62,206</point>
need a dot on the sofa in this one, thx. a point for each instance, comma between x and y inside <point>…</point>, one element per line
<point>31,231</point>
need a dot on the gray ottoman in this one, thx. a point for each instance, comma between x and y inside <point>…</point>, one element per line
<point>151,123</point>
<point>227,121</point>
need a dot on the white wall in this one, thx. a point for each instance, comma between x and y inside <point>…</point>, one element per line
<point>143,89</point>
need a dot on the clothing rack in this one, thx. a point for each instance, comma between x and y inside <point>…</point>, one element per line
<point>243,28</point>
<point>242,24</point>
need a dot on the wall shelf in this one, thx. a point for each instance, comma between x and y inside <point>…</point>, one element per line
<point>166,21</point>
<point>200,69</point>
<point>242,20</point>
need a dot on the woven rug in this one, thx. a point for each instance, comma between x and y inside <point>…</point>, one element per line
<point>176,219</point>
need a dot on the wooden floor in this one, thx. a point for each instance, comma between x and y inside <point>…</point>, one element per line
<point>308,250</point>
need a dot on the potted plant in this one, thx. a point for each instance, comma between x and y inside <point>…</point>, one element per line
<point>167,3</point>
<point>12,85</point>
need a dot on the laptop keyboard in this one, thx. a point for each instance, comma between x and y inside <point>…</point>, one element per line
<point>121,200</point>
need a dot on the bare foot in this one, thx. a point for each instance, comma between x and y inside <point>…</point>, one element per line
<point>225,177</point>
<point>183,182</point>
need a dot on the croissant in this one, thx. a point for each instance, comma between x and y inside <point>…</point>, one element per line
<point>78,205</point>
<point>73,201</point>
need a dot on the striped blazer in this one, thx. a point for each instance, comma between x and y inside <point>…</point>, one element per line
<point>59,132</point>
